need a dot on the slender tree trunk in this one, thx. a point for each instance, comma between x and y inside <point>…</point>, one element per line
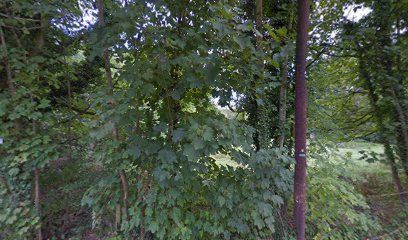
<point>394,171</point>
<point>9,75</point>
<point>118,216</point>
<point>259,19</point>
<point>37,200</point>
<point>37,186</point>
<point>109,80</point>
<point>389,88</point>
<point>10,82</point>
<point>5,185</point>
<point>259,111</point>
<point>125,189</point>
<point>301,120</point>
<point>282,121</point>
<point>403,126</point>
<point>13,91</point>
<point>283,106</point>
<point>142,225</point>
<point>385,62</point>
<point>401,150</point>
<point>282,101</point>
<point>69,125</point>
<point>383,131</point>
<point>16,37</point>
<point>283,91</point>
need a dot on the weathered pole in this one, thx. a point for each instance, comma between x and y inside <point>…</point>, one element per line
<point>300,120</point>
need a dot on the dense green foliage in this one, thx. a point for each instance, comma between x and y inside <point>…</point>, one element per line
<point>114,116</point>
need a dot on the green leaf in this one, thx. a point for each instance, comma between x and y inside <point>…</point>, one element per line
<point>153,226</point>
<point>178,135</point>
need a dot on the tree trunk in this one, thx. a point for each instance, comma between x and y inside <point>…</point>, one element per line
<point>401,150</point>
<point>283,92</point>
<point>118,217</point>
<point>385,62</point>
<point>142,225</point>
<point>109,81</point>
<point>125,189</point>
<point>259,111</point>
<point>37,200</point>
<point>282,101</point>
<point>9,75</point>
<point>69,124</point>
<point>13,92</point>
<point>259,19</point>
<point>383,131</point>
<point>301,120</point>
<point>394,171</point>
<point>403,127</point>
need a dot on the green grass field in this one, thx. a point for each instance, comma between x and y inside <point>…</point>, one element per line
<point>351,154</point>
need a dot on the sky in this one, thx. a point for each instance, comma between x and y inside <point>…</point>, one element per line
<point>355,16</point>
<point>89,15</point>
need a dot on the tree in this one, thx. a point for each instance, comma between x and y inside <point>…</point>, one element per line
<point>159,119</point>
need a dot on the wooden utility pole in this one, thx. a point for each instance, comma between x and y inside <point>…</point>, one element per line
<point>300,120</point>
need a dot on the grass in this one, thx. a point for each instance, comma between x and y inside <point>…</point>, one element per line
<point>377,186</point>
<point>354,155</point>
<point>373,181</point>
<point>354,148</point>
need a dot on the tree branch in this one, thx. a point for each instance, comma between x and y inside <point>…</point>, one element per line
<point>19,18</point>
